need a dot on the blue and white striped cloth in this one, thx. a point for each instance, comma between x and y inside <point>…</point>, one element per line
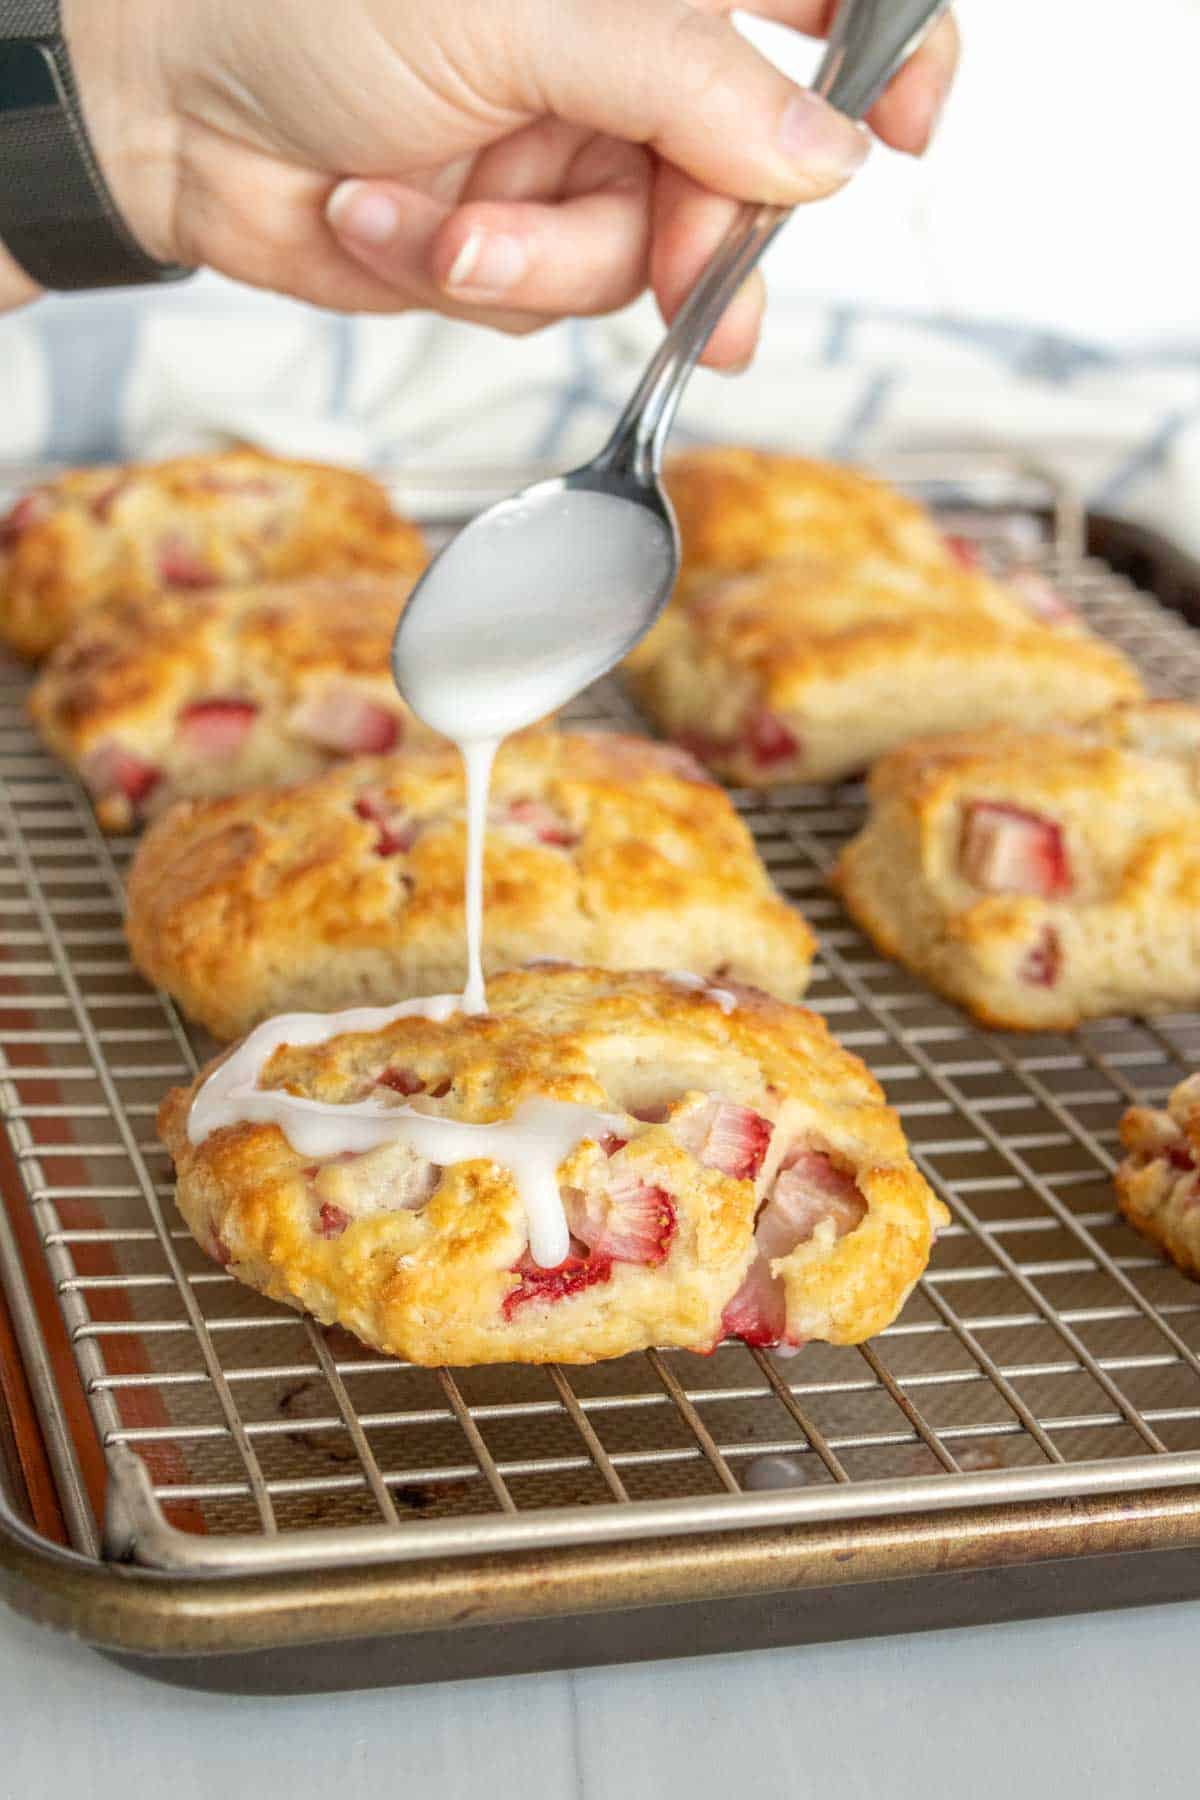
<point>115,375</point>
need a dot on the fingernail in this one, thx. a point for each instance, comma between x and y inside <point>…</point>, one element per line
<point>813,134</point>
<point>488,263</point>
<point>357,210</point>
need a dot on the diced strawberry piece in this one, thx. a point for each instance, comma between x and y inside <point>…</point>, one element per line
<point>332,1220</point>
<point>1042,964</point>
<point>1180,1158</point>
<point>964,550</point>
<point>571,1276</point>
<point>1006,850</point>
<point>758,1311</point>
<point>736,1141</point>
<point>628,1221</point>
<point>547,826</point>
<point>217,727</point>
<point>402,1081</point>
<point>440,1089</point>
<point>341,718</point>
<point>397,830</point>
<point>1040,596</point>
<point>29,510</point>
<point>701,747</point>
<point>113,769</point>
<point>768,739</point>
<point>610,1143</point>
<point>808,1190</point>
<point>180,564</point>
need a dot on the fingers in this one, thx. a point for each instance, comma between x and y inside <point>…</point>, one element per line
<point>689,223</point>
<point>662,72</point>
<point>906,113</point>
<point>584,254</point>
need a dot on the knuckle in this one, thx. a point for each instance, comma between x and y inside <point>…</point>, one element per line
<point>702,53</point>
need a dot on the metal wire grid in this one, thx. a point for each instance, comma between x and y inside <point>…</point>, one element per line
<point>1044,1333</point>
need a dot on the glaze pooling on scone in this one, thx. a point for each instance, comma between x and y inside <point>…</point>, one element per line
<point>1040,877</point>
<point>602,849</point>
<point>721,1174</point>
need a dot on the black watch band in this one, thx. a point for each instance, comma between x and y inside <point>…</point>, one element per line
<point>57,217</point>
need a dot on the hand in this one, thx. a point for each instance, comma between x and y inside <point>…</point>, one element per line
<point>507,161</point>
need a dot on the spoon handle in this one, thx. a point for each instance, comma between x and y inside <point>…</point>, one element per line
<point>869,41</point>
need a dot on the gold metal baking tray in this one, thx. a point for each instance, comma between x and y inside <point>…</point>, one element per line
<point>246,1500</point>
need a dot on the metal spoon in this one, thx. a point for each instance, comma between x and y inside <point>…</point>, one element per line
<point>546,591</point>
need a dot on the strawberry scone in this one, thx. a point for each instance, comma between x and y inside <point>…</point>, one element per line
<point>601,1163</point>
<point>737,508</point>
<point>808,669</point>
<point>1158,1182</point>
<point>1040,877</point>
<point>230,518</point>
<point>186,694</point>
<point>605,850</point>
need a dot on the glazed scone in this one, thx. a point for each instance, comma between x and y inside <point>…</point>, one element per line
<point>737,508</point>
<point>605,850</point>
<point>732,1171</point>
<point>1158,1186</point>
<point>178,694</point>
<point>807,670</point>
<point>1040,877</point>
<point>226,519</point>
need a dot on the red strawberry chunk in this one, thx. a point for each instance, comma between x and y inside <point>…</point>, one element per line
<point>964,550</point>
<point>402,1081</point>
<point>546,825</point>
<point>1180,1158</point>
<point>768,739</point>
<point>627,1221</point>
<point>181,565</point>
<point>113,769</point>
<point>332,1221</point>
<point>1006,850</point>
<point>341,718</point>
<point>29,510</point>
<point>1042,964</point>
<point>571,1276</point>
<point>736,1141</point>
<point>610,1143</point>
<point>809,1189</point>
<point>217,727</point>
<point>397,830</point>
<point>701,746</point>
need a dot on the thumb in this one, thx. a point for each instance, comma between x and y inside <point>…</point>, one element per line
<point>667,74</point>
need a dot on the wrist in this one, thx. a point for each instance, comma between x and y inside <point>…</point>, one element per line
<point>116,57</point>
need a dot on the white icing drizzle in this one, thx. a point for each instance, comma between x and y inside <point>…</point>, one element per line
<point>530,1145</point>
<point>478,755</point>
<point>685,979</point>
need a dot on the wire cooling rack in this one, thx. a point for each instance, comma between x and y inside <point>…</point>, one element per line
<point>1047,1351</point>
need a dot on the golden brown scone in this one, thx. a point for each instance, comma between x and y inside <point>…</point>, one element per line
<point>1158,1187</point>
<point>737,508</point>
<point>1040,877</point>
<point>226,519</point>
<point>711,1117</point>
<point>605,850</point>
<point>187,694</point>
<point>807,670</point>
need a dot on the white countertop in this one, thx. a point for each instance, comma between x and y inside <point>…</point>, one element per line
<point>1098,1708</point>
